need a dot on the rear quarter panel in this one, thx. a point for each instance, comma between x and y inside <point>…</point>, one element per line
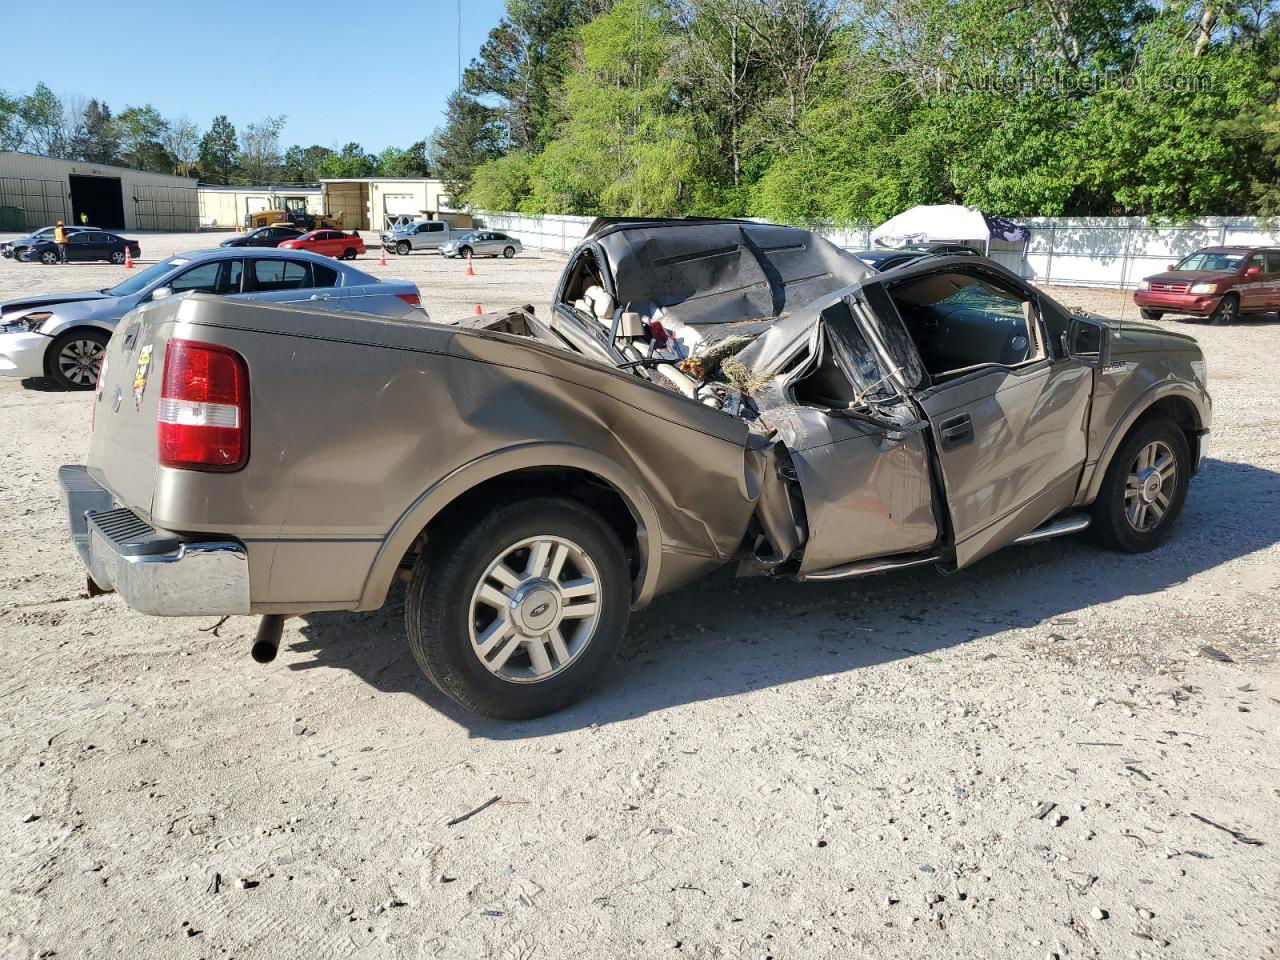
<point>355,419</point>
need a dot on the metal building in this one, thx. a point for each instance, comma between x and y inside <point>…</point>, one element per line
<point>47,190</point>
<point>228,206</point>
<point>367,202</point>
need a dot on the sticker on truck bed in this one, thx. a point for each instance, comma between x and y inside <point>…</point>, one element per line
<point>140,375</point>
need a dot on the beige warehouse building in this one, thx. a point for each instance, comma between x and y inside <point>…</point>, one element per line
<point>226,207</point>
<point>366,202</point>
<point>47,190</point>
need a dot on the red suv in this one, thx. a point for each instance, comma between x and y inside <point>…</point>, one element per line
<point>1220,283</point>
<point>329,243</point>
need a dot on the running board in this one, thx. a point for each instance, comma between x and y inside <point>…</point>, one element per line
<point>1072,523</point>
<point>865,568</point>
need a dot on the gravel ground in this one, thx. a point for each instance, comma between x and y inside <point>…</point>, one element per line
<point>770,770</point>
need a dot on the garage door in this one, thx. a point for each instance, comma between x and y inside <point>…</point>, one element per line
<point>400,204</point>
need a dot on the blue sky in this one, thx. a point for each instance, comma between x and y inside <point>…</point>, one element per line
<point>376,73</point>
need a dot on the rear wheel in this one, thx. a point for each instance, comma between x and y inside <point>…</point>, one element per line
<point>509,252</point>
<point>1227,311</point>
<point>117,256</point>
<point>403,248</point>
<point>349,253</point>
<point>517,614</point>
<point>48,257</point>
<point>75,357</point>
<point>1144,489</point>
<point>1152,314</point>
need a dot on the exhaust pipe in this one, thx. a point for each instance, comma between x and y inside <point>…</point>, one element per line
<point>267,642</point>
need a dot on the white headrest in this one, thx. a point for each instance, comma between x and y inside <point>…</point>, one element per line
<point>601,302</point>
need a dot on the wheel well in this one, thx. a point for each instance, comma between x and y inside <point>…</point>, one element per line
<point>1182,413</point>
<point>580,485</point>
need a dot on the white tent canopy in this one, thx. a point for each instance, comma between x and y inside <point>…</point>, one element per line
<point>946,223</point>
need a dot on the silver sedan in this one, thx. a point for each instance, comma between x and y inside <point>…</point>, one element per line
<point>482,243</point>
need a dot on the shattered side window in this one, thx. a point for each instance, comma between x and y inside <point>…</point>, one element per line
<point>855,355</point>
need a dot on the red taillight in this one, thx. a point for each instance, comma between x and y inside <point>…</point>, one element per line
<point>410,298</point>
<point>204,407</point>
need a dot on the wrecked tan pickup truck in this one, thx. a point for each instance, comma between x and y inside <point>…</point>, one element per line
<point>700,393</point>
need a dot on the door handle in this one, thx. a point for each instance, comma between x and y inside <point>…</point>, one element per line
<point>956,432</point>
<point>322,296</point>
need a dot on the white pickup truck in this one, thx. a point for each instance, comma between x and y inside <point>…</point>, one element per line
<point>421,235</point>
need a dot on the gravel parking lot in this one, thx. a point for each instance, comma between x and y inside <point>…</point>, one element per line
<point>1043,755</point>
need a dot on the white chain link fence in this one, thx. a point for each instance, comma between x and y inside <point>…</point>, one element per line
<point>1082,251</point>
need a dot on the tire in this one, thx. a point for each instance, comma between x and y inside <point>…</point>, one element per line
<point>117,257</point>
<point>403,248</point>
<point>48,257</point>
<point>349,253</point>
<point>1227,311</point>
<point>465,252</point>
<point>444,608</point>
<point>74,358</point>
<point>508,252</point>
<point>1123,513</point>
<point>1152,314</point>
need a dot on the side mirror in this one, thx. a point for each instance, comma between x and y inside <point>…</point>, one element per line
<point>1089,342</point>
<point>159,293</point>
<point>1253,272</point>
<point>1171,266</point>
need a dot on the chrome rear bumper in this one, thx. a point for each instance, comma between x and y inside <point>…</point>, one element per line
<point>154,571</point>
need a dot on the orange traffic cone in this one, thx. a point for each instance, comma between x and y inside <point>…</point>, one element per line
<point>470,271</point>
<point>478,310</point>
<point>128,258</point>
<point>382,260</point>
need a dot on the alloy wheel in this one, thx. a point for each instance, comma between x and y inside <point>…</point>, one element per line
<point>1150,486</point>
<point>79,361</point>
<point>535,609</point>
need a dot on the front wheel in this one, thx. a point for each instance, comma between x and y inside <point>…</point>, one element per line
<point>516,615</point>
<point>1227,311</point>
<point>509,252</point>
<point>1152,314</point>
<point>1144,489</point>
<point>464,252</point>
<point>403,248</point>
<point>75,358</point>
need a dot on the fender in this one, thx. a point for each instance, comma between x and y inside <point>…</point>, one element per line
<point>508,460</point>
<point>1091,479</point>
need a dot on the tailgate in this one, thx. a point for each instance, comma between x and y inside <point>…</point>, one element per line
<point>122,451</point>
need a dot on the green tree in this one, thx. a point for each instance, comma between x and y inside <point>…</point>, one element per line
<point>100,139</point>
<point>141,130</point>
<point>218,151</point>
<point>350,161</point>
<point>473,133</point>
<point>260,156</point>
<point>409,162</point>
<point>627,147</point>
<point>302,164</point>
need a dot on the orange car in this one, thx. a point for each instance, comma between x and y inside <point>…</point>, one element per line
<point>330,243</point>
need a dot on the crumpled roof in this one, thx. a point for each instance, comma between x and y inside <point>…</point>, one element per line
<point>718,272</point>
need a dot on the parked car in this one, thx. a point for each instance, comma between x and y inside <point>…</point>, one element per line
<point>263,237</point>
<point>12,248</point>
<point>482,243</point>
<point>699,394</point>
<point>63,335</point>
<point>1221,283</point>
<point>420,235</point>
<point>328,243</point>
<point>83,246</point>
